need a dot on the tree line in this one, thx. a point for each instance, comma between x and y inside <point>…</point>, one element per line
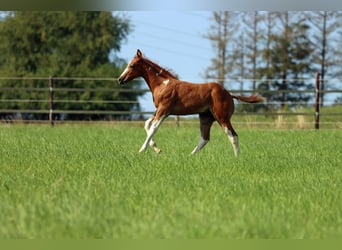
<point>63,44</point>
<point>276,50</point>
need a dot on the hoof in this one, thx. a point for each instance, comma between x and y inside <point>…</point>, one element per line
<point>142,150</point>
<point>157,150</point>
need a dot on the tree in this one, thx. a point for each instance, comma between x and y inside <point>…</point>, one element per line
<point>325,24</point>
<point>238,57</point>
<point>64,44</point>
<point>247,53</point>
<point>221,34</point>
<point>252,22</point>
<point>289,55</point>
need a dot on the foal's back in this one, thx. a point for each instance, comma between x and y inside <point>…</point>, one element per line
<point>192,98</point>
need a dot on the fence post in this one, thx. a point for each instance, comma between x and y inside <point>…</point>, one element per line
<point>317,98</point>
<point>51,101</point>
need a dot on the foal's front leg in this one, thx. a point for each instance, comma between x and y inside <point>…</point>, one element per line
<point>153,144</point>
<point>155,123</point>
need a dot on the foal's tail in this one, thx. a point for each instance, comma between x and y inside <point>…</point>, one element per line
<point>251,99</point>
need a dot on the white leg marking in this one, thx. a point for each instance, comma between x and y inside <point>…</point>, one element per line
<point>200,145</point>
<point>233,140</point>
<point>148,124</point>
<point>152,142</point>
<point>154,146</point>
<point>152,130</point>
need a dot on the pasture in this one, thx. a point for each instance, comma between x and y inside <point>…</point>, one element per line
<point>79,181</point>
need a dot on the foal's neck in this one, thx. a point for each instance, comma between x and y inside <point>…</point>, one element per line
<point>153,76</point>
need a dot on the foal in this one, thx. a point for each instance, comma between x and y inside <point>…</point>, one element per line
<point>175,97</point>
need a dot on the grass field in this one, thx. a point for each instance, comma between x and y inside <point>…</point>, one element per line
<point>90,182</point>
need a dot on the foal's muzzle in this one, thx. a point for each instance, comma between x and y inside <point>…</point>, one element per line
<point>122,80</point>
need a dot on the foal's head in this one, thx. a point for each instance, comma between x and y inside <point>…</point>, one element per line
<point>140,66</point>
<point>133,69</point>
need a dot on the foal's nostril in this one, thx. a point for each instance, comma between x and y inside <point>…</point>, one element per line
<point>120,80</point>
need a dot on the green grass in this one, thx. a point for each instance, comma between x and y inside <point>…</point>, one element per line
<point>298,118</point>
<point>90,182</point>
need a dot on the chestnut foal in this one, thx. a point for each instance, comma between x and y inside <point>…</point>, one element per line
<point>175,97</point>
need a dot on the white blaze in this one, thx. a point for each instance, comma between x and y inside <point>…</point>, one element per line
<point>124,72</point>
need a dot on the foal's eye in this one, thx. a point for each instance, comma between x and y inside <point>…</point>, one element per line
<point>132,65</point>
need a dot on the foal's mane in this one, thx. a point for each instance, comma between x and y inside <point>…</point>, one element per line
<point>160,70</point>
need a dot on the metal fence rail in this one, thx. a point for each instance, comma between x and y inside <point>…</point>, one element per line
<point>52,88</point>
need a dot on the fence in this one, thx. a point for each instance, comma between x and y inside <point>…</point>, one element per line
<point>303,115</point>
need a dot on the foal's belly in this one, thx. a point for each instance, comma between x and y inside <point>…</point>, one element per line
<point>180,109</point>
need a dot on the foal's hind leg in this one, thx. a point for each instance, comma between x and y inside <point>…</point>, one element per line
<point>223,108</point>
<point>232,136</point>
<point>206,120</point>
<point>229,131</point>
<point>152,142</point>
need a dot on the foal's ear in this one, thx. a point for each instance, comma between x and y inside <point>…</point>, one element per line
<point>139,54</point>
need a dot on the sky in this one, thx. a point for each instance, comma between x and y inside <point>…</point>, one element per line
<point>172,39</point>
